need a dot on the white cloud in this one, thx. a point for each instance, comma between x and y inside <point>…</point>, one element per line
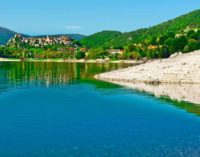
<point>72,27</point>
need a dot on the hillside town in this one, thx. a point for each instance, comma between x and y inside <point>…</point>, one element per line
<point>40,41</point>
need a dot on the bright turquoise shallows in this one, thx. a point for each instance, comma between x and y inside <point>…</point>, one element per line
<point>59,110</point>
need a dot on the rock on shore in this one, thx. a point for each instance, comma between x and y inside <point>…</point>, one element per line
<point>181,68</point>
<point>177,77</point>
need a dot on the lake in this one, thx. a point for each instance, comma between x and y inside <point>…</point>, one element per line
<point>59,110</point>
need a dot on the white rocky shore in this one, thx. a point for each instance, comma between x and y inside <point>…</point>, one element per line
<point>9,60</point>
<point>177,77</point>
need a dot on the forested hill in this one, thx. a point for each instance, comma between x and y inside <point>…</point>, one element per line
<point>101,39</point>
<point>117,39</point>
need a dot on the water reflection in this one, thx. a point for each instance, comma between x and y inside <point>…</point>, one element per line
<point>17,74</point>
<point>188,107</point>
<point>185,96</point>
<point>81,120</point>
<point>50,73</point>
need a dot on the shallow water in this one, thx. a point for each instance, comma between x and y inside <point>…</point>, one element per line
<point>59,110</point>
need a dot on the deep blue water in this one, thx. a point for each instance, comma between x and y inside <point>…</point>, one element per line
<point>58,110</point>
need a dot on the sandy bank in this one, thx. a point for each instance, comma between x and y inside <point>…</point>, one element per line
<point>9,60</point>
<point>75,61</point>
<point>177,77</point>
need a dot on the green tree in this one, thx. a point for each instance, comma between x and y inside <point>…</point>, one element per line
<point>170,35</point>
<point>192,35</point>
<point>180,43</point>
<point>192,45</point>
<point>80,55</point>
<point>198,35</point>
<point>130,48</point>
<point>151,41</point>
<point>162,39</point>
<point>171,44</point>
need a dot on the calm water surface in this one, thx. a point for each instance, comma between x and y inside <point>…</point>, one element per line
<point>59,110</point>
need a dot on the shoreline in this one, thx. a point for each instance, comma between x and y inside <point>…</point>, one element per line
<point>75,61</point>
<point>9,60</point>
<point>179,92</point>
<point>177,77</point>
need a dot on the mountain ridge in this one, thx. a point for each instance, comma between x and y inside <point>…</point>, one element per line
<point>176,25</point>
<point>6,34</point>
<point>73,36</point>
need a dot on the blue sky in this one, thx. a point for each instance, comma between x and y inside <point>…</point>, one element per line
<point>35,17</point>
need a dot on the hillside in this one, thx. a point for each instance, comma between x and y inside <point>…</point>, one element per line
<point>177,25</point>
<point>5,35</point>
<point>101,39</point>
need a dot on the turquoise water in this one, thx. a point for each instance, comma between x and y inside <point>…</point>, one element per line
<point>59,110</point>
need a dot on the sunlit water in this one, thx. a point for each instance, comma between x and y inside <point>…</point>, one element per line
<point>59,110</point>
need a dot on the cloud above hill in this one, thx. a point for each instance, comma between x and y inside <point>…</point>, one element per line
<point>72,27</point>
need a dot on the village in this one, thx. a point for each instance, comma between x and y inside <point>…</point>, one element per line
<point>41,41</point>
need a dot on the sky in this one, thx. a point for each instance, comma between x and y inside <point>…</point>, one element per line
<point>36,17</point>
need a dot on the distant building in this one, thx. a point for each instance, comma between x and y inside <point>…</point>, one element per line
<point>153,47</point>
<point>83,49</point>
<point>116,51</point>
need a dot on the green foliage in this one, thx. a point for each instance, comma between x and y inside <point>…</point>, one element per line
<point>102,39</point>
<point>151,40</point>
<point>198,35</point>
<point>96,53</point>
<point>180,43</point>
<point>79,55</point>
<point>152,54</point>
<point>162,39</point>
<point>193,34</point>
<point>20,50</point>
<point>170,34</point>
<point>192,45</point>
<point>176,44</point>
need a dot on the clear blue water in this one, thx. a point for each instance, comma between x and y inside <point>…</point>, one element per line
<point>59,110</point>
